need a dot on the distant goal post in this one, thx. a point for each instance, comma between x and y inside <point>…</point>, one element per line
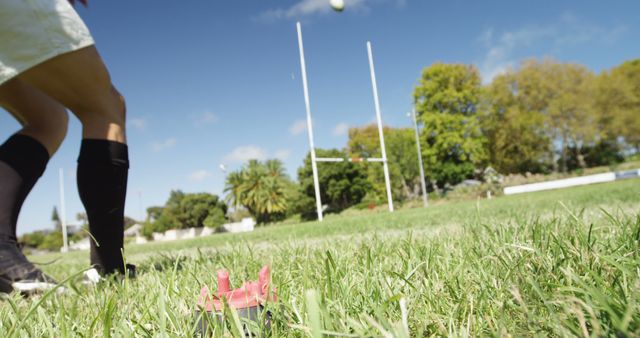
<point>350,159</point>
<point>314,159</point>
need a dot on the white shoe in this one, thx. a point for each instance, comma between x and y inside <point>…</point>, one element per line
<point>93,277</point>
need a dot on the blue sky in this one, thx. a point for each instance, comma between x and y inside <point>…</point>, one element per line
<point>213,82</point>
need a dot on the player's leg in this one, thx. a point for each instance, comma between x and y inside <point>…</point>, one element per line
<point>23,159</point>
<point>80,81</point>
<point>41,117</point>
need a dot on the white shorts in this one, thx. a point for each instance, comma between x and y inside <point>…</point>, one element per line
<point>33,31</point>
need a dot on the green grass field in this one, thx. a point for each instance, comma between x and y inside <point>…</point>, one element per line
<point>559,263</point>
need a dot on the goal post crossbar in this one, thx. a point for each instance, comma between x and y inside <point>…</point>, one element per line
<point>350,159</point>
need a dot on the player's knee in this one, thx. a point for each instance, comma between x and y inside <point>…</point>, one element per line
<point>111,109</point>
<point>121,107</point>
<point>118,109</point>
<point>50,129</point>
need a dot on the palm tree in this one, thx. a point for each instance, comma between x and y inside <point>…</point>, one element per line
<point>233,188</point>
<point>275,168</point>
<point>260,188</point>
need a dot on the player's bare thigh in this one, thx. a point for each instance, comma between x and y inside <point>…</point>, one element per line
<point>79,80</point>
<point>41,117</point>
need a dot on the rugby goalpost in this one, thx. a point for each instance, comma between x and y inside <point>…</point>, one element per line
<point>314,158</point>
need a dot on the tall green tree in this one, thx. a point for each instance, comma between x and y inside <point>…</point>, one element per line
<point>55,218</point>
<point>570,110</point>
<point>618,103</point>
<point>515,125</point>
<point>543,114</point>
<point>401,154</point>
<point>342,184</point>
<point>153,213</point>
<point>261,188</point>
<point>201,209</point>
<point>188,211</point>
<point>446,101</point>
<point>168,218</point>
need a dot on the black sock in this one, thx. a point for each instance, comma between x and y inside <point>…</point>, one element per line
<point>22,161</point>
<point>102,184</point>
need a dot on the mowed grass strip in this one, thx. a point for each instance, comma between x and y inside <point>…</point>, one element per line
<point>559,263</point>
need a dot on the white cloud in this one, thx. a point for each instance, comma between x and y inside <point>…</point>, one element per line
<point>401,3</point>
<point>576,31</point>
<point>486,37</point>
<point>504,50</point>
<point>137,122</point>
<point>298,127</point>
<point>499,56</point>
<point>199,175</point>
<point>341,129</point>
<point>244,153</point>
<point>206,118</point>
<point>282,154</point>
<point>314,7</point>
<point>162,145</point>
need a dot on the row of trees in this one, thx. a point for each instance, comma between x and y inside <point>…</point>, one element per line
<point>542,117</point>
<point>550,116</point>
<point>182,211</point>
<point>51,240</point>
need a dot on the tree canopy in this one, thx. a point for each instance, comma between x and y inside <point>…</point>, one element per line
<point>446,101</point>
<point>261,188</point>
<point>188,211</point>
<point>618,100</point>
<point>342,184</point>
<point>551,116</point>
<point>401,155</point>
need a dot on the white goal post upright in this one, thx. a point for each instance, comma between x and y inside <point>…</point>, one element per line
<point>374,86</point>
<point>62,216</point>
<point>312,152</point>
<point>314,167</point>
